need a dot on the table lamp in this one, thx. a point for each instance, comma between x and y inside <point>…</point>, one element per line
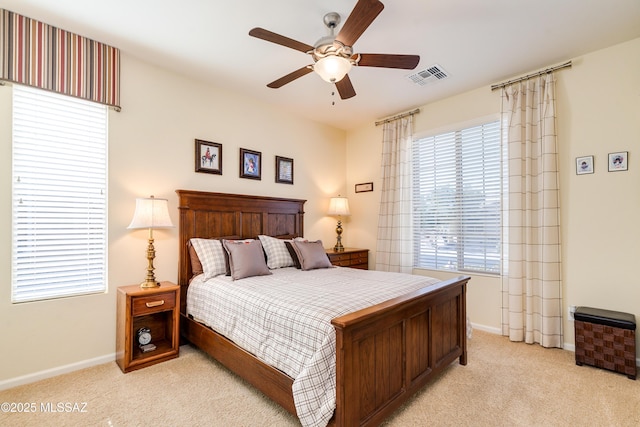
<point>339,206</point>
<point>151,213</point>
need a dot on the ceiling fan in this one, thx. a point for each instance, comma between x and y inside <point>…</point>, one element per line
<point>333,55</point>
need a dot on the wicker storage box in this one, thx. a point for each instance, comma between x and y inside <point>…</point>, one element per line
<point>606,339</point>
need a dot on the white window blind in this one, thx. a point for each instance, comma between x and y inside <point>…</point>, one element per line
<point>59,215</point>
<point>457,183</point>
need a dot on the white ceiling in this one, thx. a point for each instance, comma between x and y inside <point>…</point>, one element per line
<point>478,43</point>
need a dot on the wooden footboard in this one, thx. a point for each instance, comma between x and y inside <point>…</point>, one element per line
<point>387,352</point>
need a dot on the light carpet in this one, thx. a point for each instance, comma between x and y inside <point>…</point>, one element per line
<point>503,384</point>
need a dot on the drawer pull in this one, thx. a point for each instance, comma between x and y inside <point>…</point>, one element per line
<point>155,303</point>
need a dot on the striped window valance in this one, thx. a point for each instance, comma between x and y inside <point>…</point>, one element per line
<point>39,55</point>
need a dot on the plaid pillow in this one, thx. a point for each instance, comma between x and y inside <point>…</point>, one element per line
<point>277,253</point>
<point>211,255</point>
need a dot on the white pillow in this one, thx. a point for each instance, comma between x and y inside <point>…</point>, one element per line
<point>211,255</point>
<point>277,253</point>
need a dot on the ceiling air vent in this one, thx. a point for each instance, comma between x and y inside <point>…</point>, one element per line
<point>428,75</point>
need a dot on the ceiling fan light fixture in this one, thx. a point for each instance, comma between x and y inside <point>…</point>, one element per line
<point>332,68</point>
<point>333,54</point>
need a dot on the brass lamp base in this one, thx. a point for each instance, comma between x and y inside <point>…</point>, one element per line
<point>338,247</point>
<point>149,284</point>
<point>150,281</point>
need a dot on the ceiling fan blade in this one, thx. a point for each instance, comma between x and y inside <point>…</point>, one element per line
<point>406,62</point>
<point>272,37</point>
<point>290,77</point>
<point>362,15</point>
<point>345,88</point>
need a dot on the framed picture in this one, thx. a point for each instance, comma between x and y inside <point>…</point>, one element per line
<point>618,161</point>
<point>284,170</point>
<point>363,188</point>
<point>584,165</point>
<point>250,164</point>
<point>208,157</point>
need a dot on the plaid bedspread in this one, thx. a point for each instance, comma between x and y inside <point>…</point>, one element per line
<point>284,319</point>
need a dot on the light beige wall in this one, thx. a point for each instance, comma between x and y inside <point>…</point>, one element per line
<point>151,151</point>
<point>601,231</point>
<point>598,113</point>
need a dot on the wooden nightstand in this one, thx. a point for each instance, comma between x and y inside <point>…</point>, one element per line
<point>350,257</point>
<point>155,308</point>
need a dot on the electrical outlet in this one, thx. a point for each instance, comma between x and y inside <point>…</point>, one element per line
<point>572,309</point>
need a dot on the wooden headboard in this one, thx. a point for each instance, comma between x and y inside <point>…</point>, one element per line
<point>233,216</point>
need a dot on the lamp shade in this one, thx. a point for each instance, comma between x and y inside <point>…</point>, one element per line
<point>332,68</point>
<point>339,206</point>
<point>151,213</point>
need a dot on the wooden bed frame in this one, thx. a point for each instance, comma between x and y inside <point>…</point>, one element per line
<point>385,353</point>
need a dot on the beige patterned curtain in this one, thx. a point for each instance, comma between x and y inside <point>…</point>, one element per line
<point>395,230</point>
<point>532,288</point>
<point>36,54</point>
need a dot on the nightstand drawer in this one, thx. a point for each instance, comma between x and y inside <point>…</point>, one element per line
<point>360,257</point>
<point>153,303</point>
<point>342,263</point>
<point>350,257</point>
<point>340,257</point>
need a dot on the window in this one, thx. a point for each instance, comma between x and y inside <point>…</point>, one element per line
<point>59,216</point>
<point>456,200</point>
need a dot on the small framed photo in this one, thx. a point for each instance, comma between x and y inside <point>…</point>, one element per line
<point>284,170</point>
<point>584,165</point>
<point>208,157</point>
<point>363,188</point>
<point>250,164</point>
<point>618,161</point>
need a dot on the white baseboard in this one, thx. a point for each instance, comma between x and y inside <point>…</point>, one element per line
<point>498,331</point>
<point>48,373</point>
<point>484,328</point>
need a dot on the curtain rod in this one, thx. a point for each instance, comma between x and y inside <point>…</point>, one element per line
<point>528,76</point>
<point>399,116</point>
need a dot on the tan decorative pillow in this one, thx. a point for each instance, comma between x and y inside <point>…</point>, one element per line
<point>246,258</point>
<point>311,254</point>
